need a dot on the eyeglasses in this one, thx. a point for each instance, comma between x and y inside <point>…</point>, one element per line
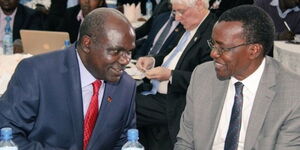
<point>221,50</point>
<point>179,12</point>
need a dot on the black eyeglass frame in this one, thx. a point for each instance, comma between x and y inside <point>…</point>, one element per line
<point>221,50</point>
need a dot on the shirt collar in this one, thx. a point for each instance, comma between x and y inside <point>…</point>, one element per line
<point>275,3</point>
<point>252,81</point>
<point>86,77</point>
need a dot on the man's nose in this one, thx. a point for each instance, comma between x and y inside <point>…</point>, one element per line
<point>124,59</point>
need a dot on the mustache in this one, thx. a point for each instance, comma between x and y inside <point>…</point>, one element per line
<point>119,67</point>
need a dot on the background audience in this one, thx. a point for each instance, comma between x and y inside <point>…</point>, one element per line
<point>159,108</point>
<point>164,33</point>
<point>281,12</point>
<point>20,17</point>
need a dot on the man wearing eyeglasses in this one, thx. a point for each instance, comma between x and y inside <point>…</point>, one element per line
<point>159,108</point>
<point>243,100</point>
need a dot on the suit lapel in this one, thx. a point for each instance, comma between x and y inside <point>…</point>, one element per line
<point>218,99</point>
<point>262,101</point>
<point>108,97</point>
<point>17,25</point>
<point>202,28</point>
<point>72,77</point>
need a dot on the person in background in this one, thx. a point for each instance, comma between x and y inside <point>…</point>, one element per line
<point>56,14</point>
<point>285,14</point>
<point>120,4</point>
<point>75,15</point>
<point>243,100</point>
<point>57,10</point>
<point>77,98</point>
<point>142,31</point>
<point>159,108</point>
<point>227,4</point>
<point>165,32</point>
<point>18,17</point>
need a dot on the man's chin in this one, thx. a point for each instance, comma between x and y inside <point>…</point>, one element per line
<point>114,79</point>
<point>222,77</point>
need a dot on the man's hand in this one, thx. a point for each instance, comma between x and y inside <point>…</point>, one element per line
<point>159,73</point>
<point>145,63</point>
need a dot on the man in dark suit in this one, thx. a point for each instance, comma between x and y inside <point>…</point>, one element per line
<point>162,7</point>
<point>23,16</point>
<point>75,15</point>
<point>161,111</point>
<point>77,98</point>
<point>55,15</point>
<point>243,100</point>
<point>159,25</point>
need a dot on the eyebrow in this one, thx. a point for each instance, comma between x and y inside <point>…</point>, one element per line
<point>217,42</point>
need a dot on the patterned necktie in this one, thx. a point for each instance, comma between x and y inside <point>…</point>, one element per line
<point>233,134</point>
<point>7,26</point>
<point>178,48</point>
<point>91,115</point>
<point>160,41</point>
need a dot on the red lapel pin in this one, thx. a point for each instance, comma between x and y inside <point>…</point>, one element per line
<point>109,99</point>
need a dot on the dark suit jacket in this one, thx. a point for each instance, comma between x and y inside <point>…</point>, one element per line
<point>43,105</point>
<point>56,11</point>
<point>70,23</point>
<point>158,23</point>
<point>196,52</point>
<point>163,6</point>
<point>26,18</point>
<point>228,4</point>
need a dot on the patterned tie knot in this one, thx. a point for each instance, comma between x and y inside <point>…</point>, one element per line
<point>172,18</point>
<point>96,86</point>
<point>8,19</point>
<point>238,87</point>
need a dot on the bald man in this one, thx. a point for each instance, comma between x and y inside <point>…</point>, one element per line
<point>79,97</point>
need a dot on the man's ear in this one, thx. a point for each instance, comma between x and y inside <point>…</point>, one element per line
<point>86,42</point>
<point>255,50</point>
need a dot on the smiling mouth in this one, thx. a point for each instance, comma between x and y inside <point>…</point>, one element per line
<point>117,71</point>
<point>218,65</point>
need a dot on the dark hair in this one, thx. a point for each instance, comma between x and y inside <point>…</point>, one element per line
<point>94,23</point>
<point>257,24</point>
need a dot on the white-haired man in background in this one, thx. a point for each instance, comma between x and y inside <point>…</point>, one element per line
<point>159,109</point>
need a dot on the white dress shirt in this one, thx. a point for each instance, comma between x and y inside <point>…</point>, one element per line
<point>249,91</point>
<point>86,80</point>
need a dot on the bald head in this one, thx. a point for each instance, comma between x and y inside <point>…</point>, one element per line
<point>95,24</point>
